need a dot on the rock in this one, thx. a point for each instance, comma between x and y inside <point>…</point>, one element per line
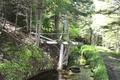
<point>75,69</point>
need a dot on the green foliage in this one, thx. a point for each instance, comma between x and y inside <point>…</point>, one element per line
<point>88,55</point>
<point>74,30</point>
<point>74,56</point>
<point>27,60</point>
<point>47,25</point>
<point>96,63</point>
<point>11,70</point>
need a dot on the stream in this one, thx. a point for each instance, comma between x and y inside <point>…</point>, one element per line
<point>85,74</point>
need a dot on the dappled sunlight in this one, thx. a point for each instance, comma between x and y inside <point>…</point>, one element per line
<point>101,20</point>
<point>59,39</point>
<point>100,5</point>
<point>103,49</point>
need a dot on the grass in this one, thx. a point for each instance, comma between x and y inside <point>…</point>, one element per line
<point>95,61</point>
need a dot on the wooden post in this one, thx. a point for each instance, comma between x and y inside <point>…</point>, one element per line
<point>66,38</point>
<point>61,57</point>
<point>62,46</point>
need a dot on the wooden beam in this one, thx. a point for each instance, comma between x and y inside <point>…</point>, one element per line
<point>53,33</point>
<point>42,36</point>
<point>64,42</point>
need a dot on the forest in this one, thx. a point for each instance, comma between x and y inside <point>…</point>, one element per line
<point>59,39</point>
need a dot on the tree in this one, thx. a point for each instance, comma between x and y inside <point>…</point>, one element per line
<point>106,23</point>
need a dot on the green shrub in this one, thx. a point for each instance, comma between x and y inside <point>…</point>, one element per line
<point>96,63</point>
<point>74,56</point>
<point>27,60</point>
<point>89,55</point>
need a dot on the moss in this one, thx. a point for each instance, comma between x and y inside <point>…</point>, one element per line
<point>25,61</point>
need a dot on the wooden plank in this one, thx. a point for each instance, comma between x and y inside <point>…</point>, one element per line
<point>64,42</point>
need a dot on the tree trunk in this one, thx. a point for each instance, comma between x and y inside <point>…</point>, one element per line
<point>38,15</point>
<point>56,26</point>
<point>91,35</point>
<point>117,38</point>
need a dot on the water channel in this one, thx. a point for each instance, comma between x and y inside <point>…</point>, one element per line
<point>84,74</point>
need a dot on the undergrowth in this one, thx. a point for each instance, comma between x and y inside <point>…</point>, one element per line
<point>89,55</point>
<point>23,61</point>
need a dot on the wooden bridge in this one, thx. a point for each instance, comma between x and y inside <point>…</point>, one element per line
<point>64,44</point>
